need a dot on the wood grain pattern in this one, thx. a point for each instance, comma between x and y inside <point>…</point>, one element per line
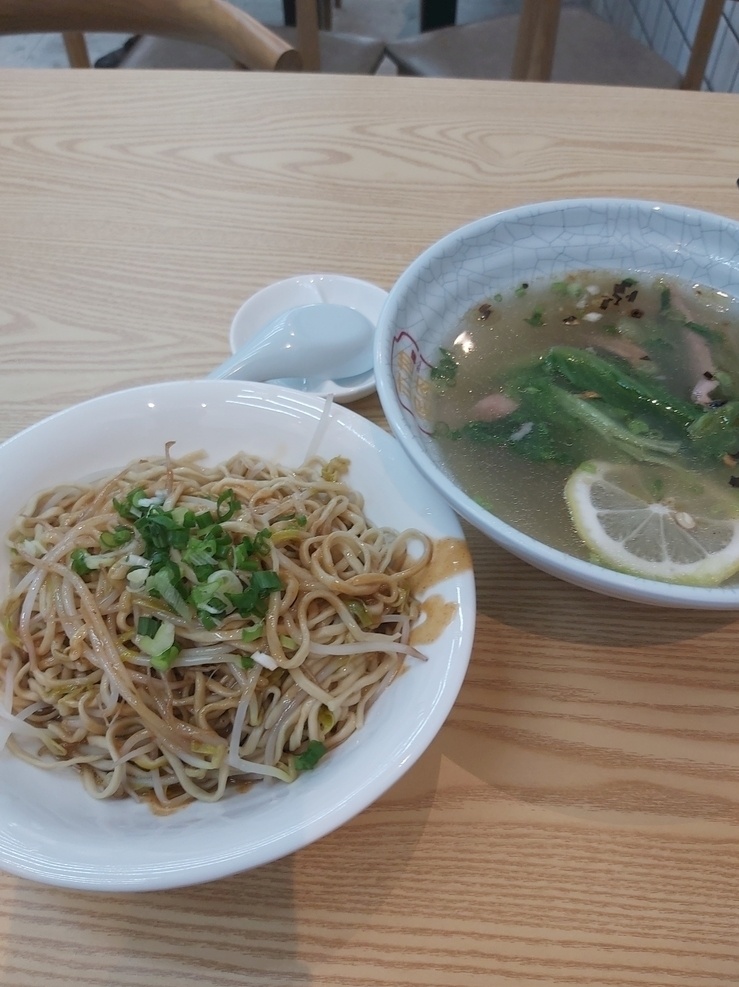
<point>576,822</point>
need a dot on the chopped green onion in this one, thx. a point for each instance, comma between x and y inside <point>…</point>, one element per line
<point>183,517</point>
<point>207,620</point>
<point>262,583</point>
<point>215,593</point>
<point>164,585</point>
<point>227,505</point>
<point>266,581</point>
<point>113,539</point>
<point>165,660</point>
<point>310,756</point>
<point>359,611</point>
<point>247,662</point>
<point>83,562</point>
<point>158,643</point>
<point>202,572</point>
<point>148,626</point>
<point>78,560</point>
<point>258,545</point>
<point>254,632</point>
<point>196,553</point>
<point>208,583</point>
<point>337,466</point>
<point>129,508</point>
<point>300,519</point>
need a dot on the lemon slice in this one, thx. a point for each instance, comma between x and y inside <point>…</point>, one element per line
<point>660,522</point>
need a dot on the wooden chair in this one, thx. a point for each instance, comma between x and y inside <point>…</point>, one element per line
<point>544,42</point>
<point>309,27</point>
<point>196,34</point>
<point>215,24</point>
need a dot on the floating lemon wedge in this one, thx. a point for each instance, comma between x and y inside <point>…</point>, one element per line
<point>660,522</point>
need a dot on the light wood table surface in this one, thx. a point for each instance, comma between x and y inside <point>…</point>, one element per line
<point>576,822</point>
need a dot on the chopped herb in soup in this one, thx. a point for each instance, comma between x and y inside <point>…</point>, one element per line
<point>620,391</point>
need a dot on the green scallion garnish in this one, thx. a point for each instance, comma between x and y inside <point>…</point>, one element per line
<point>114,539</point>
<point>310,756</point>
<point>78,562</point>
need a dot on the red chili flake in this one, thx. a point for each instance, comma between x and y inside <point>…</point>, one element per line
<point>636,313</point>
<point>570,320</point>
<point>485,310</point>
<point>734,481</point>
<point>708,375</point>
<point>605,303</point>
<point>632,296</point>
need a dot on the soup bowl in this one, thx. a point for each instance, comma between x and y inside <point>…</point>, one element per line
<point>541,242</point>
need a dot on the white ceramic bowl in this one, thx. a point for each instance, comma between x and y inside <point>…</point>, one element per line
<point>50,829</point>
<point>544,240</point>
<point>309,289</point>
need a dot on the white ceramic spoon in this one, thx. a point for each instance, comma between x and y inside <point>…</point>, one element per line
<point>334,341</point>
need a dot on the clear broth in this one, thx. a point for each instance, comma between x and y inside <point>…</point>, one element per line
<point>518,326</point>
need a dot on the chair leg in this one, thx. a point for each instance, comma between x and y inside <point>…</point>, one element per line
<point>77,53</point>
<point>325,15</point>
<point>308,37</point>
<point>702,44</point>
<point>536,40</point>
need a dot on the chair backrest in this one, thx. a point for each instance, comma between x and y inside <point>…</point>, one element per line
<point>214,23</point>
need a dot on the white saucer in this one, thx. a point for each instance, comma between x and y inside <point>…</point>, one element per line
<point>308,289</point>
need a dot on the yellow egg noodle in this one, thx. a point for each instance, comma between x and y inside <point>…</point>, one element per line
<point>179,629</point>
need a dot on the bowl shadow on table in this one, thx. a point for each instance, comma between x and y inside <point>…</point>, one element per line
<point>582,704</point>
<point>518,595</point>
<point>264,926</point>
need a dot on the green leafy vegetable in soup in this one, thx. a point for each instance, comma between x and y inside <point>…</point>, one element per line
<point>597,367</point>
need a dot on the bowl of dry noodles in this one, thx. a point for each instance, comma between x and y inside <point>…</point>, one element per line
<point>232,616</point>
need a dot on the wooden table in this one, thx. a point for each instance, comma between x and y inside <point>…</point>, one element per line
<point>577,819</point>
